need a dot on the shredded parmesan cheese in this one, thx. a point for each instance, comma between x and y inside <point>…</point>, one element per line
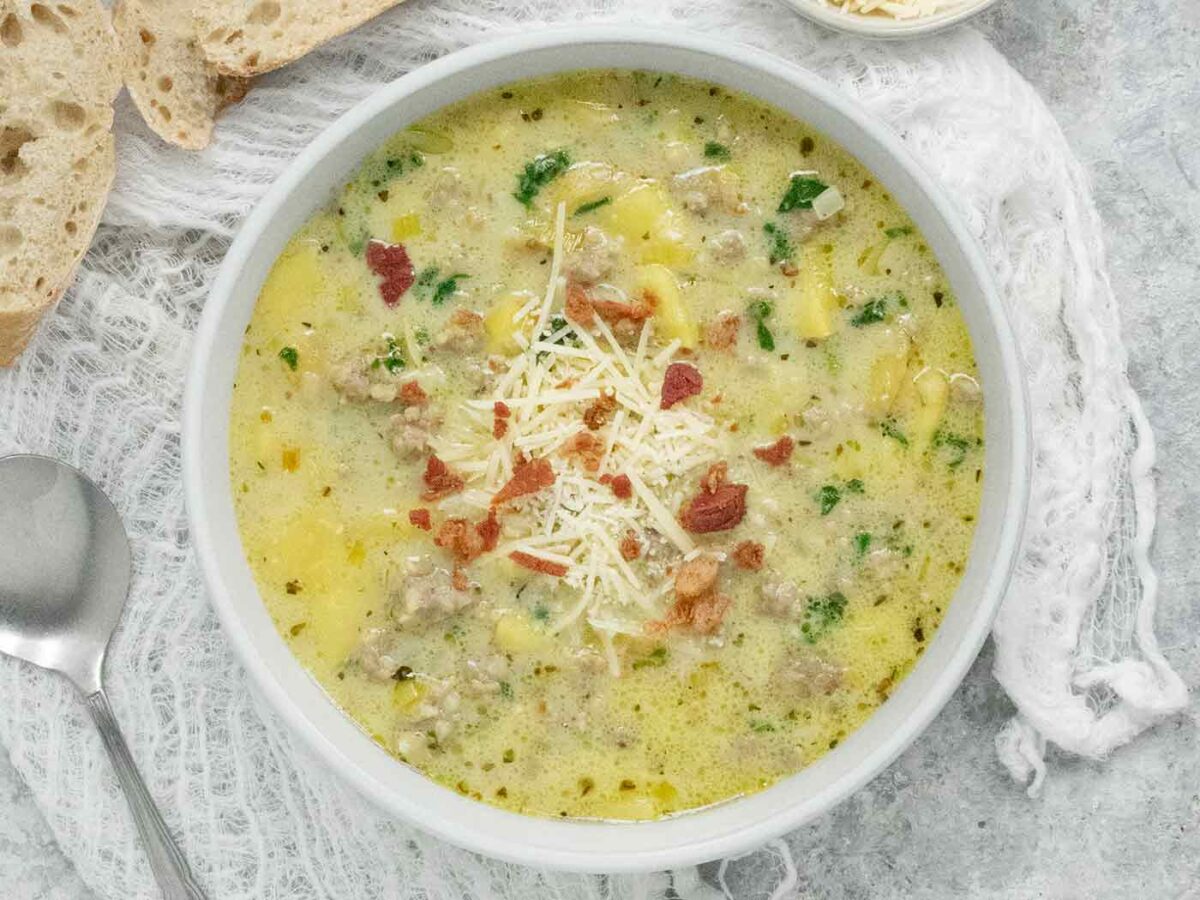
<point>897,9</point>
<point>579,521</point>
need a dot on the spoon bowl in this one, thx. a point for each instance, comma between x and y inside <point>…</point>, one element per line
<point>64,576</point>
<point>64,568</point>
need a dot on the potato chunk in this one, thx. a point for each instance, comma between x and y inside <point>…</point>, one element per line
<point>671,315</point>
<point>814,303</point>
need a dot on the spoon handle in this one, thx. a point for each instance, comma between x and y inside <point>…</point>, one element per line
<point>170,868</point>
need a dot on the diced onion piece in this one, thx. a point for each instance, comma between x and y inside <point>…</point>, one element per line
<point>829,202</point>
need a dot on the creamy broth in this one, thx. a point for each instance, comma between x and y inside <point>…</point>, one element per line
<point>610,446</point>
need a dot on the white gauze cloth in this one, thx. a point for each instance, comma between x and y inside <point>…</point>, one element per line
<point>101,387</point>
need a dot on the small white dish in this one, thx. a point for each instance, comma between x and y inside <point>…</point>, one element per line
<point>878,25</point>
<point>725,829</point>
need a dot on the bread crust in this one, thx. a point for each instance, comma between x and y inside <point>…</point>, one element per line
<point>58,78</point>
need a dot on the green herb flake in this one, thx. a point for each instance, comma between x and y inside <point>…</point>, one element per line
<point>801,192</point>
<point>870,312</point>
<point>714,150</point>
<point>862,543</point>
<point>829,496</point>
<point>760,311</point>
<point>654,659</point>
<point>391,359</point>
<point>541,613</point>
<point>821,614</point>
<point>446,288</point>
<point>762,727</point>
<point>898,231</point>
<point>506,690</point>
<point>855,486</point>
<point>779,246</point>
<point>591,206</point>
<point>539,173</point>
<point>957,444</point>
<point>291,356</point>
<point>890,429</point>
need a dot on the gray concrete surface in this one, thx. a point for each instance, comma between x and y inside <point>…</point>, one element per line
<point>1123,77</point>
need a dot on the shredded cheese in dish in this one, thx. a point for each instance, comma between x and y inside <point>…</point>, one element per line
<point>898,9</point>
<point>581,521</point>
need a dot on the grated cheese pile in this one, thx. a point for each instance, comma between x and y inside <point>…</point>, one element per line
<point>898,9</point>
<point>579,522</point>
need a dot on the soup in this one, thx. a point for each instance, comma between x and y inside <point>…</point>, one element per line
<point>609,446</point>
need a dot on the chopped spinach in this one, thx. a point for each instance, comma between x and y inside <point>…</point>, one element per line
<point>862,543</point>
<point>506,690</point>
<point>778,244</point>
<point>821,614</point>
<point>405,162</point>
<point>855,486</point>
<point>430,286</point>
<point>446,288</point>
<point>957,444</point>
<point>890,429</point>
<point>898,231</point>
<point>553,327</point>
<point>538,173</point>
<point>391,359</point>
<point>591,205</point>
<point>760,311</point>
<point>870,312</point>
<point>655,658</point>
<point>714,150</point>
<point>291,356</point>
<point>801,192</point>
<point>829,496</point>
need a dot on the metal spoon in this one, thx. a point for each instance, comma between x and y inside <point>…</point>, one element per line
<point>64,574</point>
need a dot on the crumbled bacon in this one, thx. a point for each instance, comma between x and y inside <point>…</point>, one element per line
<point>717,510</point>
<point>500,414</point>
<point>703,615</point>
<point>586,447</point>
<point>528,478</point>
<point>489,531</point>
<point>717,475</point>
<point>578,307</point>
<point>457,536</point>
<point>412,394</point>
<point>614,311</point>
<point>749,555</point>
<point>778,453</point>
<point>440,480</point>
<point>420,518</point>
<point>395,270</point>
<point>596,416</point>
<point>722,332</point>
<point>680,382</point>
<point>622,487</point>
<point>459,580</point>
<point>631,547</point>
<point>537,564</point>
<point>696,577</point>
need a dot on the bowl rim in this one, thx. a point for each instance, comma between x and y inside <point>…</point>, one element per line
<point>883,27</point>
<point>726,829</point>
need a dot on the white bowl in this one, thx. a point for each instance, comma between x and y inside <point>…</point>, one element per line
<point>887,27</point>
<point>726,828</point>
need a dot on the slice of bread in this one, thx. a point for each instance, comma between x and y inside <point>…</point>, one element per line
<point>177,92</point>
<point>248,37</point>
<point>58,79</point>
